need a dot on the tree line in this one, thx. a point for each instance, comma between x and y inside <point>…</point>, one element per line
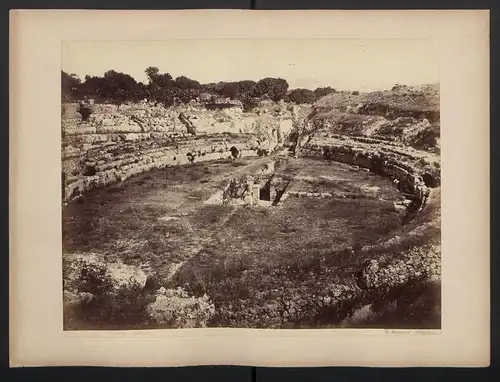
<point>162,88</point>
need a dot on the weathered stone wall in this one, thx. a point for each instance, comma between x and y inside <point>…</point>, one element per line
<point>108,164</point>
<point>418,263</point>
<point>245,188</point>
<point>339,298</point>
<point>405,169</point>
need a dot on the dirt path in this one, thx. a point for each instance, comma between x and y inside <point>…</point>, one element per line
<point>203,241</point>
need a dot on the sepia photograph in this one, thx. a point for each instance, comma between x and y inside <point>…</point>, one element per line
<point>249,188</point>
<point>251,183</point>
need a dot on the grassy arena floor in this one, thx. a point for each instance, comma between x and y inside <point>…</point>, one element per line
<point>158,221</point>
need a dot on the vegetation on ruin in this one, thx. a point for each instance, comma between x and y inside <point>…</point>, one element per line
<point>400,101</point>
<point>116,87</point>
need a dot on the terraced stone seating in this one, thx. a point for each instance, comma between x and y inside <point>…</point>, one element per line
<point>116,143</point>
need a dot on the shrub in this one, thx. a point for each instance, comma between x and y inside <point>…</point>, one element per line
<point>153,283</point>
<point>95,279</point>
<point>426,138</point>
<point>191,157</point>
<point>125,306</point>
<point>262,152</point>
<point>234,152</point>
<point>85,111</point>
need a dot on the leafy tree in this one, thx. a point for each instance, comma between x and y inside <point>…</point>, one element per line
<point>142,90</point>
<point>163,95</point>
<point>152,72</point>
<point>70,84</point>
<point>119,87</point>
<point>164,80</point>
<point>92,87</point>
<point>230,90</point>
<point>301,96</point>
<point>321,92</point>
<point>274,88</point>
<point>160,87</point>
<point>185,95</point>
<point>246,87</point>
<point>219,86</point>
<point>210,88</point>
<point>183,82</point>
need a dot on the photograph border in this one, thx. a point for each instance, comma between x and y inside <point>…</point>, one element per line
<point>238,329</point>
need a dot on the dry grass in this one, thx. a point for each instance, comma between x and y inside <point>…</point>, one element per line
<point>242,257</point>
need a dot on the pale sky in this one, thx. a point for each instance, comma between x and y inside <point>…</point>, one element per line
<point>344,64</point>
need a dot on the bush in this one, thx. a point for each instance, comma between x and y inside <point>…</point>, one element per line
<point>191,157</point>
<point>153,283</point>
<point>234,152</point>
<point>426,138</point>
<point>95,279</point>
<point>127,305</point>
<point>85,111</point>
<point>262,152</point>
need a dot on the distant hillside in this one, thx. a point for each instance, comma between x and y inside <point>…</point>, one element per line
<point>409,114</point>
<point>402,100</point>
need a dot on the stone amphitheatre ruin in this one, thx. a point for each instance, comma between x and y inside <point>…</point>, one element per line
<point>114,144</point>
